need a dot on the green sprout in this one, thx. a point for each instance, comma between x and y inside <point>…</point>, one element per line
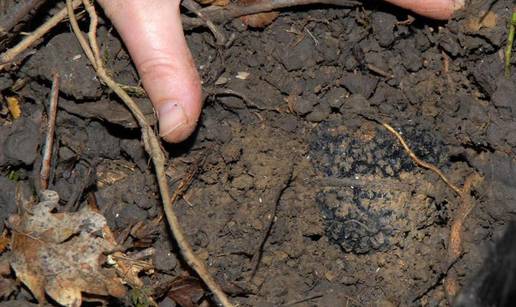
<point>14,175</point>
<point>510,41</point>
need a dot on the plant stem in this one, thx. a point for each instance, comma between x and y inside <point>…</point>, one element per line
<point>510,42</point>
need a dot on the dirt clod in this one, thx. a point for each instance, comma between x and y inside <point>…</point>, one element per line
<point>63,54</point>
<point>19,143</point>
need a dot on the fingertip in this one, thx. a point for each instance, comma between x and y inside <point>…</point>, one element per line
<point>174,88</point>
<point>179,135</point>
<point>436,9</point>
<point>177,123</point>
<point>153,34</point>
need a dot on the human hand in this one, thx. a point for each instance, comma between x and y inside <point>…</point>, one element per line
<point>153,34</point>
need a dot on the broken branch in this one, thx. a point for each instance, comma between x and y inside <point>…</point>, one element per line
<point>44,174</point>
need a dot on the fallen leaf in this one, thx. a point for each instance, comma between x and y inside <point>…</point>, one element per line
<point>130,268</point>
<point>260,20</point>
<point>4,241</point>
<point>186,291</point>
<point>126,267</point>
<point>62,254</point>
<point>13,104</point>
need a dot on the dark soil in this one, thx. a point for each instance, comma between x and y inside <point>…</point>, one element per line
<point>359,223</point>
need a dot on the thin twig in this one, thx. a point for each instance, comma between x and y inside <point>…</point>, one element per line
<point>229,92</point>
<point>49,140</point>
<point>379,71</point>
<point>197,10</point>
<point>420,162</point>
<point>86,47</point>
<point>446,62</point>
<point>134,90</point>
<point>230,12</point>
<point>187,180</point>
<point>153,148</point>
<point>275,203</point>
<point>10,55</point>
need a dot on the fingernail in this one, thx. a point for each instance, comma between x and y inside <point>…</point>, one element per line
<point>171,118</point>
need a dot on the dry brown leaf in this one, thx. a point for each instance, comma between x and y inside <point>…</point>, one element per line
<point>61,254</point>
<point>186,291</point>
<point>260,20</point>
<point>4,241</point>
<point>130,269</point>
<point>125,267</point>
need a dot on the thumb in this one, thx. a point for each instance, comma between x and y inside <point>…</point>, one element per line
<point>153,34</point>
<point>438,9</point>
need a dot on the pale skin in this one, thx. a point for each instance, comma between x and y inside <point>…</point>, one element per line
<point>153,34</point>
